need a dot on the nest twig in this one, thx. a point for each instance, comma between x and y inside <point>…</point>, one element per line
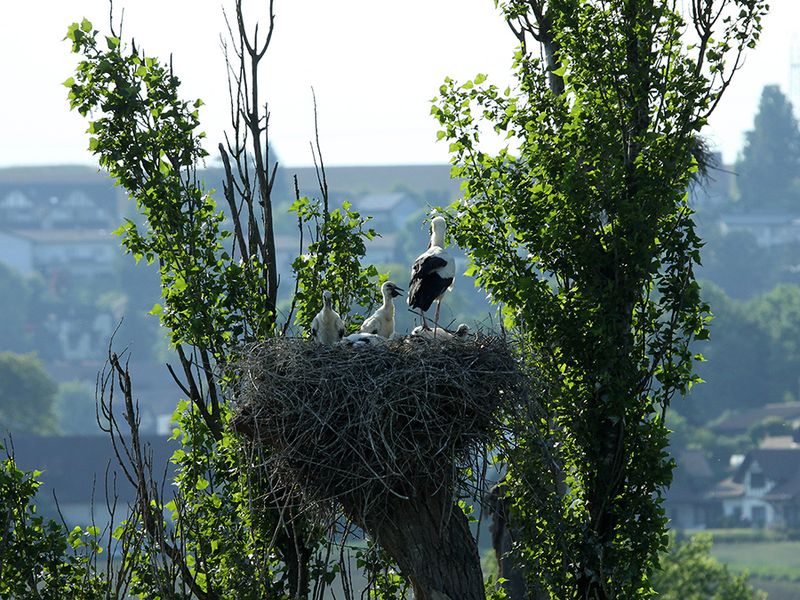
<point>362,425</point>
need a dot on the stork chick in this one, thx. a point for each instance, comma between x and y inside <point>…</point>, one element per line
<point>381,322</point>
<point>327,327</point>
<point>432,274</point>
<point>442,334</point>
<point>361,340</point>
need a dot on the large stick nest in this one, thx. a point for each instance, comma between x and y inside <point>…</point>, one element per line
<point>359,425</point>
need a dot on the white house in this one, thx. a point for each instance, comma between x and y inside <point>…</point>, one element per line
<point>765,489</point>
<point>388,210</point>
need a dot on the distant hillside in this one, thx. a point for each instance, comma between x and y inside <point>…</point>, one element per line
<point>426,180</point>
<point>356,181</point>
<point>51,173</point>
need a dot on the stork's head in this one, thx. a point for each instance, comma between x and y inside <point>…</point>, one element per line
<point>326,298</point>
<point>438,228</point>
<point>462,330</point>
<point>390,290</point>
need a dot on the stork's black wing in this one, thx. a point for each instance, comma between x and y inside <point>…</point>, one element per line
<point>425,285</point>
<point>424,265</point>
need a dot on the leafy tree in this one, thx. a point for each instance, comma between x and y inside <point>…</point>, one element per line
<point>27,395</point>
<point>14,311</point>
<point>31,312</point>
<point>778,315</point>
<point>137,289</point>
<point>76,409</point>
<point>752,355</point>
<point>332,260</point>
<point>770,426</point>
<point>689,572</point>
<point>769,168</point>
<point>38,559</point>
<point>25,307</point>
<point>232,533</point>
<point>580,228</point>
<point>736,360</point>
<point>736,263</point>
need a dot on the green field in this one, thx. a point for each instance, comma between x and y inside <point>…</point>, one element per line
<point>774,566</point>
<point>763,560</point>
<point>777,590</point>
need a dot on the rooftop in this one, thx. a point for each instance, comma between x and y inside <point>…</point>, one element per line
<point>741,422</point>
<point>374,203</point>
<point>777,464</point>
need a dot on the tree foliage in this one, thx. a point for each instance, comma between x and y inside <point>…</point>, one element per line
<point>15,294</point>
<point>769,168</point>
<point>232,534</point>
<point>744,269</point>
<point>76,409</point>
<point>44,316</point>
<point>579,226</point>
<point>37,558</point>
<point>27,396</point>
<point>689,572</point>
<point>333,261</point>
<point>752,355</point>
<point>26,304</point>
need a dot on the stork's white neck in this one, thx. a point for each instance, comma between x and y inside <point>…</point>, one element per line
<point>388,300</point>
<point>438,227</point>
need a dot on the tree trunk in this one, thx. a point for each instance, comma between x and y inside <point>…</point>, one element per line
<point>429,537</point>
<point>498,507</point>
<point>296,556</point>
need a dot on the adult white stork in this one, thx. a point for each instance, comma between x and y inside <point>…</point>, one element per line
<point>432,274</point>
<point>381,322</point>
<point>327,327</point>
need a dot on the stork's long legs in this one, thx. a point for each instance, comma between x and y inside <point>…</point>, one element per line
<point>435,316</point>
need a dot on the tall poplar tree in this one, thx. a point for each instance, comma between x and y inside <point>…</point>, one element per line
<point>769,168</point>
<point>579,226</point>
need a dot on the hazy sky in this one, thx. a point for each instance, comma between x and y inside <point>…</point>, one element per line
<point>374,65</point>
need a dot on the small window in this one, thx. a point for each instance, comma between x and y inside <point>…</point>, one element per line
<point>757,481</point>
